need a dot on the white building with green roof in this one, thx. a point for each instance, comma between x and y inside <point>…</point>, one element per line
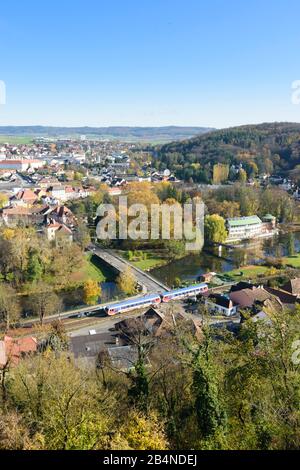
<point>242,228</point>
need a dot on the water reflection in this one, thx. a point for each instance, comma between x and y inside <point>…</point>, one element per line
<point>254,252</point>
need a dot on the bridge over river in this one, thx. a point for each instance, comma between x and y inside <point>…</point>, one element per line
<point>148,283</point>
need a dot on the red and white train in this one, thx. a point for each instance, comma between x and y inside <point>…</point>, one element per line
<point>155,299</point>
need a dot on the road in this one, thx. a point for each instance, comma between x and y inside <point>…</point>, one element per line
<point>19,182</point>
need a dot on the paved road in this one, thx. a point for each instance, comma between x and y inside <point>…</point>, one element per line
<point>19,182</point>
<point>148,282</point>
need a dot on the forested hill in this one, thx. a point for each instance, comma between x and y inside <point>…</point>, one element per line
<point>272,147</point>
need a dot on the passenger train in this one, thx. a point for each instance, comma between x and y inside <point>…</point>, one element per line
<point>155,299</point>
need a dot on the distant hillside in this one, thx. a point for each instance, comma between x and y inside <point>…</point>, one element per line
<point>146,134</point>
<point>273,147</point>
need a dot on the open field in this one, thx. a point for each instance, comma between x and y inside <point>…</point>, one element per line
<point>18,140</point>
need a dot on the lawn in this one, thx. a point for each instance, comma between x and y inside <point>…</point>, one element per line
<point>248,272</point>
<point>153,260</point>
<point>293,261</point>
<point>91,270</point>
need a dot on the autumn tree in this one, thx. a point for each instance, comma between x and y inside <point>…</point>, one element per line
<point>10,310</point>
<point>144,432</point>
<point>91,292</point>
<point>62,403</point>
<point>220,173</point>
<point>65,261</point>
<point>215,229</point>
<point>14,434</point>
<point>56,338</point>
<point>3,200</point>
<point>82,236</point>
<point>43,301</point>
<point>242,176</point>
<point>126,281</point>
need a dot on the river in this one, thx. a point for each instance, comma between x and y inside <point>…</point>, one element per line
<point>192,266</point>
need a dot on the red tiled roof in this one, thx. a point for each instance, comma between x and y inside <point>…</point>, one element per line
<point>26,195</point>
<point>14,348</point>
<point>61,227</point>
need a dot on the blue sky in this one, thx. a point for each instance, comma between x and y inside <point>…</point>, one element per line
<point>149,62</point>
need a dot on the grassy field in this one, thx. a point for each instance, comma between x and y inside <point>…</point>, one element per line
<point>248,272</point>
<point>149,263</point>
<point>91,270</point>
<point>10,139</point>
<point>293,261</point>
<point>153,260</point>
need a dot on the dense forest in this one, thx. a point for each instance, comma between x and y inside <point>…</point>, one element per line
<point>264,148</point>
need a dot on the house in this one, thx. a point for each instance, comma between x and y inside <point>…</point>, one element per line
<point>21,164</point>
<point>62,215</point>
<point>287,299</point>
<point>221,305</point>
<point>117,191</point>
<point>12,350</point>
<point>88,347</point>
<point>207,277</point>
<point>248,298</point>
<point>155,323</point>
<point>151,322</point>
<point>242,285</point>
<point>122,358</point>
<point>57,192</point>
<point>24,197</point>
<point>13,216</point>
<point>57,233</point>
<point>293,287</point>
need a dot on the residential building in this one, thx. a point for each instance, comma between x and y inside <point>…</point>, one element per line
<point>62,215</point>
<point>247,298</point>
<point>58,233</point>
<point>219,304</point>
<point>24,197</point>
<point>13,216</point>
<point>21,164</point>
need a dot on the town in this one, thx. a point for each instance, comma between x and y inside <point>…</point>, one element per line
<point>64,289</point>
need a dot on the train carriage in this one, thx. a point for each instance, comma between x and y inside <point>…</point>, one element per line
<point>184,293</point>
<point>134,304</point>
